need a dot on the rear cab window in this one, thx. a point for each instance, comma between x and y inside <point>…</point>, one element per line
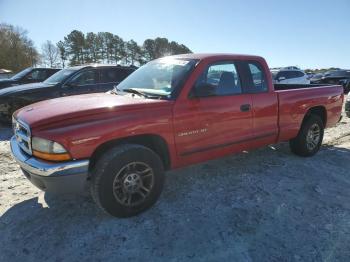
<point>258,78</point>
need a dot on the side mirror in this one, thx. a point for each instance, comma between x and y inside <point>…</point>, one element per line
<point>281,78</point>
<point>203,90</point>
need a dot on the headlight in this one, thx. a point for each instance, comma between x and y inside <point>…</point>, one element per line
<point>49,150</point>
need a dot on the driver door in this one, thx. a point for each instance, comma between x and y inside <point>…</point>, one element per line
<point>222,120</point>
<point>83,82</point>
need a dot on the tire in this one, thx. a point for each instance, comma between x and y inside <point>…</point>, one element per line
<point>120,180</point>
<point>305,144</point>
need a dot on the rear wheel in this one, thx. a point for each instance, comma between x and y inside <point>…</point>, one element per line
<point>309,138</point>
<point>127,180</point>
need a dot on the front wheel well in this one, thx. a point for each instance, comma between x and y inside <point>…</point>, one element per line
<point>153,142</point>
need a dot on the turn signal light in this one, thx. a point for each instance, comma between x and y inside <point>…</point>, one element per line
<point>52,157</point>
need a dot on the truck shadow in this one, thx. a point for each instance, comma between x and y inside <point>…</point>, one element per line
<point>254,206</point>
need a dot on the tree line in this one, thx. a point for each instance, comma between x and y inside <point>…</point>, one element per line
<point>17,51</point>
<point>104,47</point>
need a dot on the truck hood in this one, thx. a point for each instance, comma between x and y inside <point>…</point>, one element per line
<point>21,88</point>
<point>73,109</point>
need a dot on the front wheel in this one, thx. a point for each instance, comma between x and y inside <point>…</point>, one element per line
<point>127,180</point>
<point>309,138</point>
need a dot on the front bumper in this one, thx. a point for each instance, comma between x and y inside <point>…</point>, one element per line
<point>62,177</point>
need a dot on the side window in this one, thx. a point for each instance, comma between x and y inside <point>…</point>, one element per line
<point>258,78</point>
<point>299,74</point>
<point>123,73</point>
<point>38,75</point>
<point>50,73</point>
<point>86,77</point>
<point>109,75</point>
<point>281,74</point>
<point>290,74</point>
<point>222,77</point>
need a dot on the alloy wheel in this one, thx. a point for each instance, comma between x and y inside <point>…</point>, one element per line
<point>133,183</point>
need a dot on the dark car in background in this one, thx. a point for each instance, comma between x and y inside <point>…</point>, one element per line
<point>334,77</point>
<point>347,106</point>
<point>69,81</point>
<point>28,75</point>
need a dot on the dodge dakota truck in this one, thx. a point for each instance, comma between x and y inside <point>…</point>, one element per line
<point>170,113</point>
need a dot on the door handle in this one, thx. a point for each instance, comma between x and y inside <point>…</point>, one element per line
<point>245,108</point>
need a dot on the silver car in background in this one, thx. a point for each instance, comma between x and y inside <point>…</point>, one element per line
<point>290,75</point>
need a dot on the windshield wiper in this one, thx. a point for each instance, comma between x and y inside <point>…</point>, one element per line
<point>117,91</point>
<point>134,91</point>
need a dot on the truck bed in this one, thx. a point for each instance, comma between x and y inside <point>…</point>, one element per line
<point>294,101</point>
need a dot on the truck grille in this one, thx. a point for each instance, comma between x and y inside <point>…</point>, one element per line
<point>23,135</point>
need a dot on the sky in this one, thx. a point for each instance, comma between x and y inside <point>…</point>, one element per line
<point>309,34</point>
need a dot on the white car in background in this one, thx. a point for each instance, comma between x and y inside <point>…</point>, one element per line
<point>289,75</point>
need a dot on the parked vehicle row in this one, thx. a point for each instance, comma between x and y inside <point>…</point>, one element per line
<point>338,77</point>
<point>170,113</point>
<point>66,82</point>
<point>28,75</point>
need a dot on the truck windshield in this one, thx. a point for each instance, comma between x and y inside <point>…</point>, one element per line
<point>21,74</point>
<point>59,76</point>
<point>159,77</point>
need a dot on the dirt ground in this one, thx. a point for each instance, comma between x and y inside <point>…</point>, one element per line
<point>265,205</point>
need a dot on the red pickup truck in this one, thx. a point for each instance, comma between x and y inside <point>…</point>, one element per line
<point>170,113</point>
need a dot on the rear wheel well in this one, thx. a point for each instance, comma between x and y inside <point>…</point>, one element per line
<point>319,111</point>
<point>154,142</point>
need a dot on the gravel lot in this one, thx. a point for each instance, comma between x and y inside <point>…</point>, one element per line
<point>265,205</point>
